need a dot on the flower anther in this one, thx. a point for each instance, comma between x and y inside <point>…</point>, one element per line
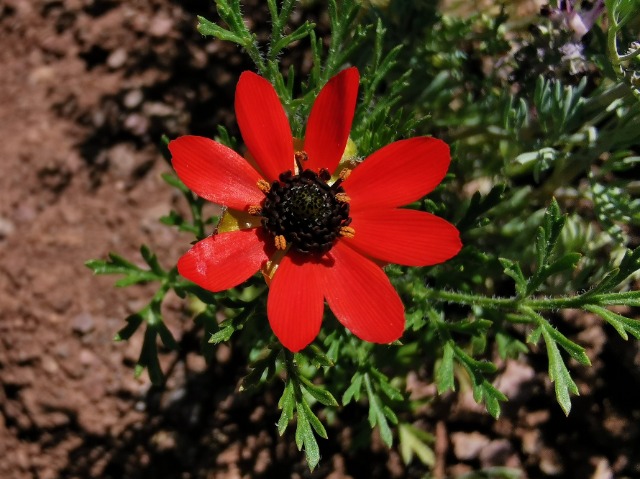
<point>255,210</point>
<point>342,197</point>
<point>280,242</point>
<point>347,232</point>
<point>263,185</point>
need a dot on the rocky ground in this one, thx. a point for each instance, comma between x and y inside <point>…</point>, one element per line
<point>86,89</point>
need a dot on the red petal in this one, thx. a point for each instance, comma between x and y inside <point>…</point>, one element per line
<point>224,260</point>
<point>295,304</point>
<point>361,296</point>
<point>330,120</point>
<point>215,172</point>
<point>398,174</point>
<point>408,237</point>
<point>264,125</point>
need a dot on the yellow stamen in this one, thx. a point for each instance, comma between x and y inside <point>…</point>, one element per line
<point>347,231</point>
<point>254,210</point>
<point>281,242</point>
<point>344,174</point>
<point>343,198</point>
<point>264,186</point>
<point>301,156</point>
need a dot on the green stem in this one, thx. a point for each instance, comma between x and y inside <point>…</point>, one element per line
<point>630,55</point>
<point>471,299</point>
<point>612,45</point>
<point>514,303</point>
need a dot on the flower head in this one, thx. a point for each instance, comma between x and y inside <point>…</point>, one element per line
<point>318,235</point>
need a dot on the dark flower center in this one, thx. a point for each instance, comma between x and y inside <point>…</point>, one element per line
<point>306,211</point>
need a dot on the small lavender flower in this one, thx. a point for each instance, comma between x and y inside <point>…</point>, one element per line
<point>581,20</point>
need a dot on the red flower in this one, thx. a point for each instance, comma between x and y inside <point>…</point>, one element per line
<point>326,237</point>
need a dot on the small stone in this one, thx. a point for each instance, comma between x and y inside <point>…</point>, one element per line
<point>137,124</point>
<point>6,228</point>
<point>230,455</point>
<point>87,357</point>
<point>603,470</point>
<point>550,462</point>
<point>117,58</point>
<point>196,363</point>
<point>223,354</point>
<point>257,414</point>
<point>50,365</point>
<point>42,75</point>
<point>83,323</point>
<point>157,109</point>
<point>133,98</point>
<point>467,446</point>
<point>262,462</point>
<point>531,442</point>
<point>160,26</point>
<point>98,118</point>
<point>164,441</point>
<point>536,418</point>
<point>496,453</point>
<point>514,376</point>
<point>122,160</point>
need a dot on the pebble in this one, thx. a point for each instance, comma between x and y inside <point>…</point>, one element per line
<point>514,377</point>
<point>467,445</point>
<point>42,75</point>
<point>160,26</point>
<point>136,124</point>
<point>122,160</point>
<point>87,357</point>
<point>117,58</point>
<point>83,323</point>
<point>133,98</point>
<point>496,453</point>
<point>550,462</point>
<point>50,365</point>
<point>157,109</point>
<point>6,228</point>
<point>603,470</point>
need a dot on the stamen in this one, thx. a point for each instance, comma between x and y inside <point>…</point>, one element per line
<point>264,186</point>
<point>347,231</point>
<point>344,174</point>
<point>343,197</point>
<point>280,242</point>
<point>300,157</point>
<point>324,174</point>
<point>254,210</point>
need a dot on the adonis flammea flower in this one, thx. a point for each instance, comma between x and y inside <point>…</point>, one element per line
<point>319,232</point>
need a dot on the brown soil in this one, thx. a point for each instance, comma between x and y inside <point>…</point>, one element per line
<point>86,89</point>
